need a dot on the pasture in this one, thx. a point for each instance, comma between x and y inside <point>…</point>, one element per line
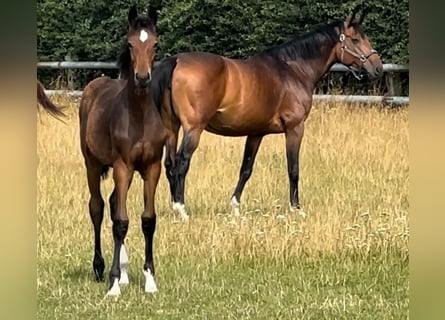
<point>348,259</point>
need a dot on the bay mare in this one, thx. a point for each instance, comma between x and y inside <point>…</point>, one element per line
<point>270,92</point>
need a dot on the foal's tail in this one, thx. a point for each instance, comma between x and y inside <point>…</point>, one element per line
<point>47,105</point>
<point>162,76</point>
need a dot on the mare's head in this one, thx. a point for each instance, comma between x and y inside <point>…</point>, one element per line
<point>137,57</point>
<point>354,49</point>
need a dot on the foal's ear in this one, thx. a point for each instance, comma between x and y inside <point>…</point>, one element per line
<point>152,14</point>
<point>132,15</point>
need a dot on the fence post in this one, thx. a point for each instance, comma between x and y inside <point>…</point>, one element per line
<point>69,74</point>
<point>393,84</point>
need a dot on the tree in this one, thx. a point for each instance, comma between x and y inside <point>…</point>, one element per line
<point>94,30</point>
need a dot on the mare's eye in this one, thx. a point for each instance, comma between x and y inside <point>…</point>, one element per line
<point>355,41</point>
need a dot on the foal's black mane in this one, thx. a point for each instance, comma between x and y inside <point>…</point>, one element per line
<point>124,58</point>
<point>309,45</point>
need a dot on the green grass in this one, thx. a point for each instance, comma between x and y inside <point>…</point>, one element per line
<point>348,259</point>
<point>326,287</point>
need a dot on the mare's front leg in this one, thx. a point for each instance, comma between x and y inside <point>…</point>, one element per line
<point>189,144</point>
<point>294,137</point>
<point>250,151</point>
<point>148,222</point>
<point>122,176</point>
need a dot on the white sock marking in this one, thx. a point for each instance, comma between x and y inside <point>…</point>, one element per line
<point>115,289</point>
<point>235,206</point>
<point>179,209</point>
<point>299,211</point>
<point>123,259</point>
<point>150,285</point>
<point>143,36</point>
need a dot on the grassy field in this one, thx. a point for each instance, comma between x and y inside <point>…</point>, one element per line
<point>348,259</point>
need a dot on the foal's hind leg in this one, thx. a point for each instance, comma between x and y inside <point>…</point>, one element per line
<point>96,208</point>
<point>250,151</point>
<point>148,222</point>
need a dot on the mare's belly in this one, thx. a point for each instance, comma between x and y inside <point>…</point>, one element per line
<point>231,122</point>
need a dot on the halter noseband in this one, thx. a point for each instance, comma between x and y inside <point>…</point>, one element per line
<point>362,57</point>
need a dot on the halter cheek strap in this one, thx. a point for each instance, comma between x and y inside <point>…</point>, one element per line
<point>361,56</point>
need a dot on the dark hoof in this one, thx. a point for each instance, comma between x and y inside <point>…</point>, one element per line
<point>99,268</point>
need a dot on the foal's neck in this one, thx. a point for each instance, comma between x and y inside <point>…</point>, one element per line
<point>139,101</point>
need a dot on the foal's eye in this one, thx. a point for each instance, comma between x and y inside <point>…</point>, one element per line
<point>355,41</point>
<point>156,45</point>
<point>129,45</point>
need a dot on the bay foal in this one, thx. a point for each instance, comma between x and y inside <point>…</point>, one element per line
<point>121,128</point>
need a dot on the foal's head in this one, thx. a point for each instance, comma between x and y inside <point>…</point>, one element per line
<point>137,57</point>
<point>355,50</point>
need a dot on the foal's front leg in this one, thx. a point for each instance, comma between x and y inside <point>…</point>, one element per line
<point>123,257</point>
<point>148,222</point>
<point>122,176</point>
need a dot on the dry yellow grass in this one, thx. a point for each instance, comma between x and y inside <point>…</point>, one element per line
<point>354,189</point>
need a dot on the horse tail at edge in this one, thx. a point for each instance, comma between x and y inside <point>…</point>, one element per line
<point>162,76</point>
<point>47,105</point>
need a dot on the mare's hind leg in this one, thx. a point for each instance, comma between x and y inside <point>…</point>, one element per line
<point>169,163</point>
<point>294,137</point>
<point>123,257</point>
<point>122,176</point>
<point>250,152</point>
<point>189,144</point>
<point>96,208</point>
<point>148,223</point>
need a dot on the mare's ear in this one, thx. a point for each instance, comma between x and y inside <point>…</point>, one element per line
<point>354,13</point>
<point>364,13</point>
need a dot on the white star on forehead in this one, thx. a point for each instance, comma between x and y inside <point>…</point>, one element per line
<point>143,36</point>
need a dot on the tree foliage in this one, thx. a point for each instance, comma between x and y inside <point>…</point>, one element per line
<point>94,30</point>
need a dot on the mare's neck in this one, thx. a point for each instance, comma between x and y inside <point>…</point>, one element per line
<point>314,69</point>
<point>311,54</point>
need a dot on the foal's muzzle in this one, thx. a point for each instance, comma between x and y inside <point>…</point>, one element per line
<point>142,80</point>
